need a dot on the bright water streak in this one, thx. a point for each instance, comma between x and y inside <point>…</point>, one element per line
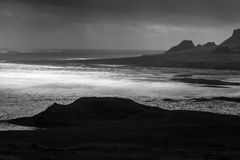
<point>28,89</point>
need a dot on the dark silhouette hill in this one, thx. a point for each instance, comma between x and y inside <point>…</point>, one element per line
<point>109,109</point>
<point>91,109</point>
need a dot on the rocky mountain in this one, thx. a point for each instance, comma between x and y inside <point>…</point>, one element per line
<point>188,46</point>
<point>209,45</point>
<point>184,45</point>
<point>234,41</point>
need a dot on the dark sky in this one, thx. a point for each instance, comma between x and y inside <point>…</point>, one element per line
<point>115,24</point>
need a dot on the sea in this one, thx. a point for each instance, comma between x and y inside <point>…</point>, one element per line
<point>29,87</point>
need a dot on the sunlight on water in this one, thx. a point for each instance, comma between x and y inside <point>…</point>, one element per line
<point>29,77</point>
<point>29,89</point>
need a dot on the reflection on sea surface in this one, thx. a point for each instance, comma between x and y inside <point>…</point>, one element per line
<point>28,89</point>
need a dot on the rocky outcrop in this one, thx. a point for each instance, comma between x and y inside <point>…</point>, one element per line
<point>184,45</point>
<point>234,41</point>
<point>206,46</point>
<point>209,45</point>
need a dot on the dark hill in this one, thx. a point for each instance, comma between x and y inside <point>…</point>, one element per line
<point>93,110</point>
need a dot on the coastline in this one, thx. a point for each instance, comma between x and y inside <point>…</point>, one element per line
<point>139,62</point>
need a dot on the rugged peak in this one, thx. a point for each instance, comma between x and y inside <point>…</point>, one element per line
<point>187,43</point>
<point>234,41</point>
<point>236,33</point>
<point>184,45</point>
<point>210,44</point>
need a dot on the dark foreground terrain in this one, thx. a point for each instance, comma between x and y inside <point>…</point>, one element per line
<point>119,129</point>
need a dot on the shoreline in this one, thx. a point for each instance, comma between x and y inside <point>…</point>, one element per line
<point>231,66</point>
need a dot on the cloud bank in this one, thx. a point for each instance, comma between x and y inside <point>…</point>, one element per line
<point>129,24</point>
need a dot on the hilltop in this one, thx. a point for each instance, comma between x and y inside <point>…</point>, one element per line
<point>110,109</point>
<point>91,109</point>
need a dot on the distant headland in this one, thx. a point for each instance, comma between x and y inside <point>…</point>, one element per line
<point>187,55</point>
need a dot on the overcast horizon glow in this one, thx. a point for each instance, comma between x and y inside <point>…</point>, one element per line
<point>115,24</point>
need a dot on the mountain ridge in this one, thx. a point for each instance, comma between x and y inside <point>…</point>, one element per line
<point>186,55</point>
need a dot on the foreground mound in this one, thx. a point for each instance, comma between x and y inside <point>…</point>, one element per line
<point>92,110</point>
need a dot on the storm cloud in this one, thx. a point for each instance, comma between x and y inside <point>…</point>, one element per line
<point>130,24</point>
